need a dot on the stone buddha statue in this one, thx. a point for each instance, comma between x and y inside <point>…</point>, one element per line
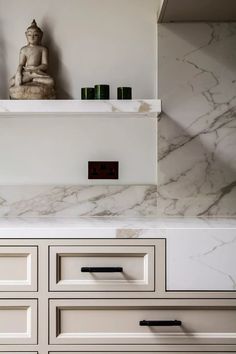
<point>31,80</point>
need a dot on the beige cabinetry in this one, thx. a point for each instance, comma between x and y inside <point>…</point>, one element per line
<point>18,268</point>
<point>18,321</point>
<point>66,296</point>
<point>143,322</point>
<point>152,352</point>
<point>102,268</point>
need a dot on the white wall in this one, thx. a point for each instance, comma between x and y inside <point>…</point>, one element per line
<point>90,41</point>
<point>57,150</point>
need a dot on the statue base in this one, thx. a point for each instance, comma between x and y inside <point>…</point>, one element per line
<point>32,91</point>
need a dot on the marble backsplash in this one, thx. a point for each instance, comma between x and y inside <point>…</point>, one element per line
<point>196,140</point>
<point>74,201</point>
<point>197,129</point>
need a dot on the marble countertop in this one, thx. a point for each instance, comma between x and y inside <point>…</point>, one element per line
<point>103,227</point>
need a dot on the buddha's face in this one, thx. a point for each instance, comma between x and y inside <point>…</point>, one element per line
<point>33,36</point>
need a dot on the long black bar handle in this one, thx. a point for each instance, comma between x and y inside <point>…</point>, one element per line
<point>102,269</point>
<point>160,323</point>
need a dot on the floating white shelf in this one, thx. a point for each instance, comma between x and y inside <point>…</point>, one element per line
<point>142,107</point>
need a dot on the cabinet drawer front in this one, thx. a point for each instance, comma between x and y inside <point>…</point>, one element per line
<point>118,322</point>
<point>21,266</point>
<point>18,321</point>
<point>102,268</point>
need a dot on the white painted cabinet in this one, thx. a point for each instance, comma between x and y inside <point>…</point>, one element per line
<point>18,268</point>
<point>107,295</point>
<point>141,322</point>
<point>18,321</point>
<point>102,268</point>
<point>152,352</point>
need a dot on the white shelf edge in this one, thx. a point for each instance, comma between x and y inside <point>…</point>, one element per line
<point>19,108</point>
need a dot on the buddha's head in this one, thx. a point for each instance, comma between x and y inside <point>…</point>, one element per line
<point>34,34</point>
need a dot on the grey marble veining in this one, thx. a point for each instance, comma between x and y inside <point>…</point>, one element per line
<point>201,260</point>
<point>196,142</point>
<point>74,201</point>
<point>197,131</point>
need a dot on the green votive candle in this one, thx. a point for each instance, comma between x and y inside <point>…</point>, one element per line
<point>102,92</point>
<point>124,93</point>
<point>87,93</point>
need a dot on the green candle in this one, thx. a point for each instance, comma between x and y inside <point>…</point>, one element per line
<point>87,93</point>
<point>124,93</point>
<point>102,92</point>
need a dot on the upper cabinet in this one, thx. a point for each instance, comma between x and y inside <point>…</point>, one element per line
<point>197,10</point>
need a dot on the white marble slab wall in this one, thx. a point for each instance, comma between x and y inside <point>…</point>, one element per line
<point>197,130</point>
<point>74,201</point>
<point>201,260</point>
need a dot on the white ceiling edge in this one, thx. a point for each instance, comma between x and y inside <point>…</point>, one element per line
<point>197,11</point>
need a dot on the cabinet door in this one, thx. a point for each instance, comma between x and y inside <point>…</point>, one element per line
<point>140,322</point>
<point>18,268</point>
<point>102,268</point>
<point>18,321</point>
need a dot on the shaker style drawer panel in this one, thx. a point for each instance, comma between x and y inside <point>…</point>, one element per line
<point>102,268</point>
<point>18,268</point>
<point>18,321</point>
<point>133,352</point>
<point>132,322</point>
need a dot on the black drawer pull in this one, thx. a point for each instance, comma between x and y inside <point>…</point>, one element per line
<point>102,269</point>
<point>160,323</point>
